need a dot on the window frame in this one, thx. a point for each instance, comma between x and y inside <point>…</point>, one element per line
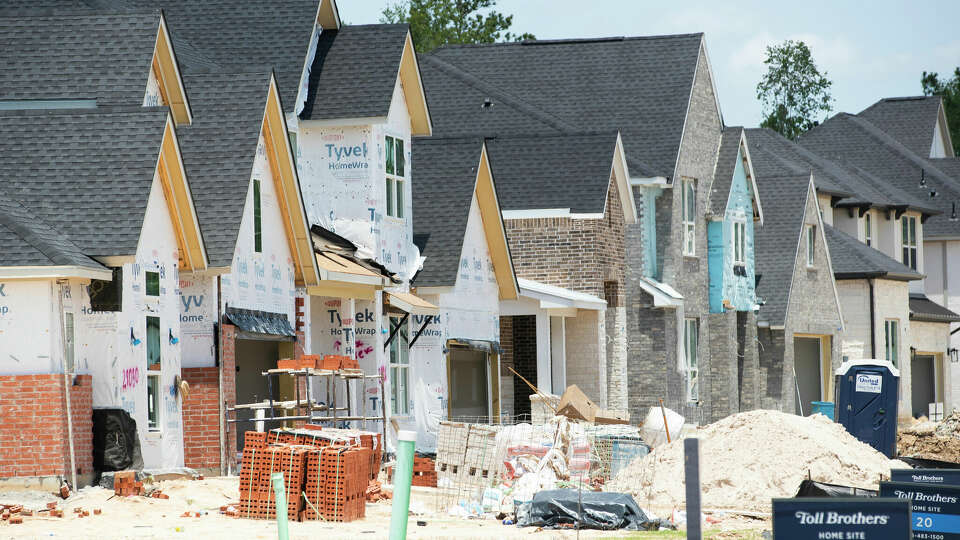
<point>154,388</point>
<point>891,329</point>
<point>146,283</point>
<point>910,252</point>
<point>739,238</point>
<point>395,175</point>
<point>867,229</point>
<point>688,216</point>
<point>810,239</point>
<point>691,360</point>
<point>398,360</point>
<point>257,216</point>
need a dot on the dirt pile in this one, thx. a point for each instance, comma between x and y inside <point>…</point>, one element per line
<point>748,458</point>
<point>931,440</point>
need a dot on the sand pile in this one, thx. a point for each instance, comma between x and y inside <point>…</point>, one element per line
<point>931,440</point>
<point>748,458</point>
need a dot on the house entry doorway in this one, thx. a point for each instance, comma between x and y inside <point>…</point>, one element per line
<point>469,376</point>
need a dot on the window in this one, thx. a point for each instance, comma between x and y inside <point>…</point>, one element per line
<point>690,341</point>
<point>811,245</point>
<point>395,176</point>
<point>107,295</point>
<point>909,227</point>
<point>69,339</point>
<point>867,229</point>
<point>891,336</point>
<point>739,243</point>
<point>689,216</point>
<point>153,283</point>
<point>257,219</point>
<point>153,373</point>
<point>399,364</point>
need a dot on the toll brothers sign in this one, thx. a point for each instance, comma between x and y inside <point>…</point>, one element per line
<point>841,518</point>
<point>936,508</point>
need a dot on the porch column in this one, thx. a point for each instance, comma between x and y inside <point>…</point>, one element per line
<point>558,353</point>
<point>544,350</point>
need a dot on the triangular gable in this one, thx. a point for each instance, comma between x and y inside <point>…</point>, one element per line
<point>287,183</point>
<point>945,130</point>
<point>167,73</point>
<point>328,16</point>
<point>409,73</point>
<point>744,156</point>
<point>176,193</point>
<point>494,229</point>
<point>621,174</point>
<point>811,191</point>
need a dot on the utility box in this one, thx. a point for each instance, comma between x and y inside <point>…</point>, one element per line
<point>866,402</point>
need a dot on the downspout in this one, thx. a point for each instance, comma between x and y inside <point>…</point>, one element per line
<point>66,385</point>
<point>873,324</point>
<point>223,411</point>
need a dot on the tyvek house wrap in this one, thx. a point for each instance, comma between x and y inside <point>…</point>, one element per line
<point>343,173</point>
<point>112,346</point>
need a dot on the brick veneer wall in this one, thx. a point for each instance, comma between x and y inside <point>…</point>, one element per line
<point>201,418</point>
<point>524,360</point>
<point>506,360</point>
<point>34,434</point>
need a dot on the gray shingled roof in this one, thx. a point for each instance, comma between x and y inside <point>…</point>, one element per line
<point>29,241</point>
<point>219,34</point>
<point>354,72</point>
<point>726,165</point>
<point>91,56</point>
<point>856,142</point>
<point>556,171</point>
<point>640,86</point>
<point>922,309</point>
<point>910,120</point>
<point>218,150</point>
<point>446,177</point>
<point>86,173</point>
<point>852,259</point>
<point>784,201</point>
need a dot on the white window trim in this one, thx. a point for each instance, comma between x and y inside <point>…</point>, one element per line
<point>914,246</point>
<point>868,229</point>
<point>810,239</point>
<point>688,223</point>
<point>397,182</point>
<point>891,328</point>
<point>152,373</point>
<point>398,366</point>
<point>739,242</point>
<point>691,361</point>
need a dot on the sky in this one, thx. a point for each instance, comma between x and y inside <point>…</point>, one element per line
<point>869,50</point>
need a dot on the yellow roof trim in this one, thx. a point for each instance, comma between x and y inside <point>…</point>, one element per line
<point>179,199</point>
<point>328,17</point>
<point>168,76</point>
<point>420,123</point>
<point>287,184</point>
<point>339,289</point>
<point>410,303</point>
<point>334,267</point>
<point>494,230</point>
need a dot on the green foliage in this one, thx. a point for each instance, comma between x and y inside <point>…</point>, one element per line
<point>434,23</point>
<point>949,90</point>
<point>793,92</point>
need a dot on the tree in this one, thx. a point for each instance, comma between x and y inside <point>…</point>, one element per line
<point>793,91</point>
<point>434,23</point>
<point>949,90</point>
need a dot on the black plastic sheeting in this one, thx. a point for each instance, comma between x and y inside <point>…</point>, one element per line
<point>558,508</point>
<point>116,445</point>
<point>260,322</point>
<point>920,463</point>
<point>809,488</point>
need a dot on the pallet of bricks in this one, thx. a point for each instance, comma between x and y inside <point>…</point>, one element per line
<point>424,472</point>
<point>466,460</point>
<point>333,468</point>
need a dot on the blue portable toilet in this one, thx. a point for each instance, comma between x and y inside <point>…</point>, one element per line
<point>866,402</point>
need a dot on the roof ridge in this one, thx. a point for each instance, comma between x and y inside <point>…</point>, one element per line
<point>568,41</point>
<point>477,83</point>
<point>41,13</point>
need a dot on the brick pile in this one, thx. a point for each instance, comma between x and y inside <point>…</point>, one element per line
<point>125,483</point>
<point>333,467</point>
<point>424,474</point>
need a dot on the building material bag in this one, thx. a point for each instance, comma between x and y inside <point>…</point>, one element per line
<point>116,445</point>
<point>591,509</point>
<point>652,431</point>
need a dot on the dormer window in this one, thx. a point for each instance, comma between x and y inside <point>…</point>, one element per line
<point>811,238</point>
<point>395,174</point>
<point>909,239</point>
<point>689,217</point>
<point>867,229</point>
<point>257,219</point>
<point>739,243</point>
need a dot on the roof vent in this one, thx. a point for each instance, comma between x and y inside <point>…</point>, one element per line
<point>923,179</point>
<point>933,193</point>
<point>953,213</point>
<point>487,103</point>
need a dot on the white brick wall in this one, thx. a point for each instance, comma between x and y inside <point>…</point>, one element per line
<point>586,354</point>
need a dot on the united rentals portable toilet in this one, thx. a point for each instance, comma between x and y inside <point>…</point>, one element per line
<point>867,392</point>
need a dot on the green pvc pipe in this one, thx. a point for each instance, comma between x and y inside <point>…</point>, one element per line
<point>402,478</point>
<point>281,493</point>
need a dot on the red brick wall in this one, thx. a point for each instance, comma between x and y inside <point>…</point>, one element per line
<point>201,418</point>
<point>33,432</point>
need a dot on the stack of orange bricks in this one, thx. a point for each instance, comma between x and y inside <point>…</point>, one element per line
<point>332,468</point>
<point>424,473</point>
<point>125,483</point>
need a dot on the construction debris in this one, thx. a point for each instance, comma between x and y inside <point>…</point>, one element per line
<point>751,457</point>
<point>931,440</point>
<point>125,483</point>
<point>574,404</point>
